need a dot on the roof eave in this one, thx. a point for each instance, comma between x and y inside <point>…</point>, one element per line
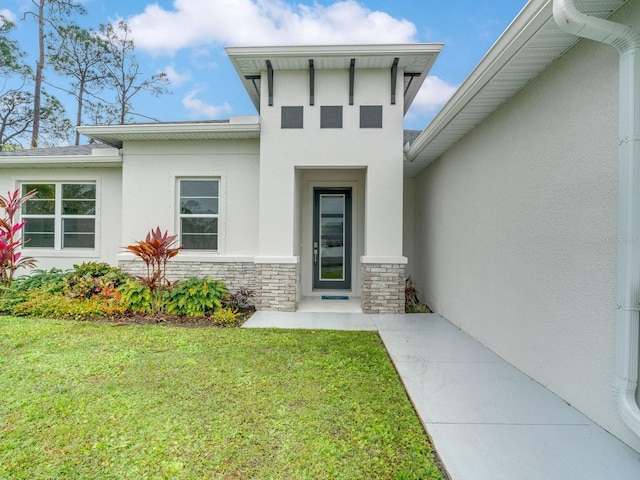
<point>530,19</point>
<point>62,161</point>
<point>533,31</point>
<point>241,57</point>
<point>115,135</point>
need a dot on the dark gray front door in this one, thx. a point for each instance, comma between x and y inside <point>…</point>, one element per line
<point>332,238</point>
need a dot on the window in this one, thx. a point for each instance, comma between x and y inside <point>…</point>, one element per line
<point>199,210</point>
<point>331,116</point>
<point>61,216</point>
<point>371,116</point>
<point>291,117</point>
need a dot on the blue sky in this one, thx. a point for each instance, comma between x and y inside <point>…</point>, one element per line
<point>185,39</point>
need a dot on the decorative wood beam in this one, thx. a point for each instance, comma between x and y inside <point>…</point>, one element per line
<point>411,77</point>
<point>253,79</point>
<point>270,82</point>
<point>352,74</point>
<point>311,83</point>
<point>394,79</point>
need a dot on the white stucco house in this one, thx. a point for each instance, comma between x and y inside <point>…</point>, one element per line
<point>516,210</point>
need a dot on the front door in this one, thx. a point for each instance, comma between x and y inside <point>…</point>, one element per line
<point>331,238</point>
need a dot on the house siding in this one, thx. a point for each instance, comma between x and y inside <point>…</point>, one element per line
<point>516,230</point>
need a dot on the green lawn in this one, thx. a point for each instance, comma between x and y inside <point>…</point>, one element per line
<point>82,400</point>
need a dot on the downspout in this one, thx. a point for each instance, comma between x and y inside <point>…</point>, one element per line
<point>626,39</point>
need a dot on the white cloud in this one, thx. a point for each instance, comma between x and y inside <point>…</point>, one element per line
<point>199,109</point>
<point>7,15</point>
<point>433,94</point>
<point>175,78</point>
<point>195,23</point>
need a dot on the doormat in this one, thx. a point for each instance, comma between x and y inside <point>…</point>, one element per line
<point>335,297</point>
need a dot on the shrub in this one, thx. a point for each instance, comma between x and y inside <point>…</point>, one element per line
<point>90,278</point>
<point>411,302</point>
<point>194,297</point>
<point>225,317</point>
<point>155,251</point>
<point>45,281</point>
<point>47,305</point>
<point>134,296</point>
<point>87,290</point>
<point>240,301</point>
<point>10,258</point>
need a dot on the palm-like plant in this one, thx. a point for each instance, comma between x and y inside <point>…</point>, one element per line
<point>155,251</point>
<point>11,258</point>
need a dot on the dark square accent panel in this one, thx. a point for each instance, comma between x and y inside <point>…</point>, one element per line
<point>331,116</point>
<point>292,117</point>
<point>371,116</point>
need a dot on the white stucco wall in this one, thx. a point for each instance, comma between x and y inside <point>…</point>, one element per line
<point>150,173</point>
<point>516,230</point>
<point>108,213</point>
<point>408,223</point>
<point>377,150</point>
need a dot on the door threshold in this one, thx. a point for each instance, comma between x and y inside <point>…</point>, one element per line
<point>318,304</point>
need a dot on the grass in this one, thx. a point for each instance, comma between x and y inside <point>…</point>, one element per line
<point>84,400</point>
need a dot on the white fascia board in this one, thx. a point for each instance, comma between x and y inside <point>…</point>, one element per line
<point>63,161</point>
<point>115,134</point>
<point>532,17</point>
<point>333,50</point>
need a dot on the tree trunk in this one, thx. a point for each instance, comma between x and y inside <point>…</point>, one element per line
<point>37,92</point>
<point>79,111</point>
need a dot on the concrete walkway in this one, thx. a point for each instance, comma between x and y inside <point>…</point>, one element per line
<point>487,420</point>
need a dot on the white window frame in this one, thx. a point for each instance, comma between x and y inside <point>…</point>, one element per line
<point>218,216</point>
<point>59,217</point>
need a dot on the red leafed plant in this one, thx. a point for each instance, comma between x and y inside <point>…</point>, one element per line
<point>155,251</point>
<point>10,257</point>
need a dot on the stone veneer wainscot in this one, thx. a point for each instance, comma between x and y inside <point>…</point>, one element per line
<point>383,287</point>
<point>237,275</point>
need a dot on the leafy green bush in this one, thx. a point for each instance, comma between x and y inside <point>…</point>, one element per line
<point>56,305</point>
<point>225,317</point>
<point>89,290</point>
<point>134,296</point>
<point>90,278</point>
<point>45,281</point>
<point>194,297</point>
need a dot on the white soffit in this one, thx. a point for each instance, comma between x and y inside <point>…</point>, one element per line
<point>529,45</point>
<point>415,60</point>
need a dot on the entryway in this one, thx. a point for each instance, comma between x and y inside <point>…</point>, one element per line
<point>332,239</point>
<point>330,234</point>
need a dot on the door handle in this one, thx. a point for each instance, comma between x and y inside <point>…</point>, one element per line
<point>315,253</point>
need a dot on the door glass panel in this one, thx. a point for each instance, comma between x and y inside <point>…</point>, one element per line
<point>332,233</point>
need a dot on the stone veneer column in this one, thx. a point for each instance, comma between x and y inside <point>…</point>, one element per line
<point>383,287</point>
<point>277,286</point>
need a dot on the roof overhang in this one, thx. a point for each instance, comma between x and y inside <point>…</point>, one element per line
<point>528,46</point>
<point>415,60</point>
<point>115,135</point>
<point>99,159</point>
